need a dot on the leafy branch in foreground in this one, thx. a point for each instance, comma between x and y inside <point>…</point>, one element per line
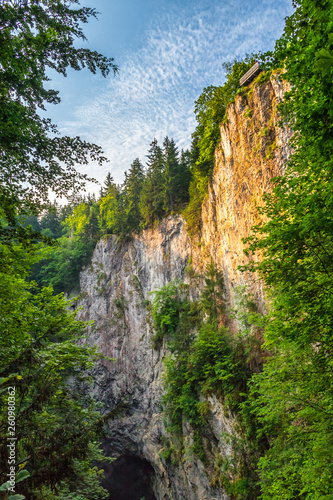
<point>35,37</point>
<point>42,360</point>
<point>293,395</point>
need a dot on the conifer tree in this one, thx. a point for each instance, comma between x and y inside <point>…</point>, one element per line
<point>50,223</point>
<point>92,230</point>
<point>120,222</point>
<point>171,175</point>
<point>151,200</point>
<point>132,189</point>
<point>109,185</point>
<point>183,177</point>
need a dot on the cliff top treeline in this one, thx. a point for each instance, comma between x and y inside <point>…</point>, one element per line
<point>170,182</point>
<point>146,196</point>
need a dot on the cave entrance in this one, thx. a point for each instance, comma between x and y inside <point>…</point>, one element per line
<point>129,478</point>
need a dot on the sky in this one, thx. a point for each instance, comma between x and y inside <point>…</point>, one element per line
<point>167,51</point>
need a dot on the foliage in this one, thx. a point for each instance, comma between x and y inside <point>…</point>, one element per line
<point>213,294</point>
<point>192,213</point>
<point>210,110</point>
<point>151,198</point>
<point>40,354</point>
<point>294,392</point>
<point>176,176</point>
<point>109,211</point>
<point>167,308</point>
<point>63,263</point>
<point>132,188</point>
<point>87,484</point>
<point>50,223</point>
<point>41,358</point>
<point>140,201</point>
<point>294,407</point>
<point>37,36</point>
<point>206,359</point>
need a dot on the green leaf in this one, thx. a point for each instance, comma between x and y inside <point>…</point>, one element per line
<point>22,475</point>
<point>5,486</point>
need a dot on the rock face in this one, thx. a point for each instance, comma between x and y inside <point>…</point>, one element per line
<point>253,150</point>
<point>116,288</point>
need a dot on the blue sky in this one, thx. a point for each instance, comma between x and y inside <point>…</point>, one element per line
<point>167,52</point>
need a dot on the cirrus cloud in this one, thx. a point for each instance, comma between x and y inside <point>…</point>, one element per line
<point>154,93</point>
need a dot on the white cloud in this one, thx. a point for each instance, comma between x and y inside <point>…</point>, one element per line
<point>154,93</point>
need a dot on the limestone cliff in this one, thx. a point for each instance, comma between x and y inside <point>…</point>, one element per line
<point>115,293</point>
<point>252,151</point>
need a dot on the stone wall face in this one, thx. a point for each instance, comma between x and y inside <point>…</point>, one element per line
<point>116,288</point>
<point>253,150</point>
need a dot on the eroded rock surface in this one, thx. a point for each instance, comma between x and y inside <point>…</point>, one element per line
<point>253,150</point>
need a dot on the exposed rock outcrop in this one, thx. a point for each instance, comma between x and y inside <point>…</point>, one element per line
<point>116,288</point>
<point>253,150</point>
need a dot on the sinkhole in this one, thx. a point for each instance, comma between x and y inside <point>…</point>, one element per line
<point>129,478</point>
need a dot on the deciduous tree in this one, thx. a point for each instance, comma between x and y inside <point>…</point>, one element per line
<point>37,36</point>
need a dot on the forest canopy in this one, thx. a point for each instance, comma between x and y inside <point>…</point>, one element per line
<point>35,37</point>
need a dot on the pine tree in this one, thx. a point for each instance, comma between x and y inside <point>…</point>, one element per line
<point>120,224</point>
<point>92,230</point>
<point>183,177</point>
<point>171,174</point>
<point>132,188</point>
<point>151,200</point>
<point>50,223</point>
<point>109,186</point>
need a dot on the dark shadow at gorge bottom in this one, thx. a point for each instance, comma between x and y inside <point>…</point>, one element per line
<point>129,478</point>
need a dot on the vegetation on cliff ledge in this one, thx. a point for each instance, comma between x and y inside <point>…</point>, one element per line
<point>205,359</point>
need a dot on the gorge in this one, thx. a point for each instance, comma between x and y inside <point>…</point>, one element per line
<point>116,291</point>
<point>169,337</point>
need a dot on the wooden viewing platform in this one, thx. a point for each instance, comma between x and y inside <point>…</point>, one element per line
<point>250,74</point>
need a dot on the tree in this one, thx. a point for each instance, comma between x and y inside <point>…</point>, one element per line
<point>109,185</point>
<point>39,352</point>
<point>171,173</point>
<point>50,223</point>
<point>107,211</point>
<point>35,36</point>
<point>151,200</point>
<point>294,393</point>
<point>183,178</point>
<point>41,362</point>
<point>132,189</point>
<point>63,262</point>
